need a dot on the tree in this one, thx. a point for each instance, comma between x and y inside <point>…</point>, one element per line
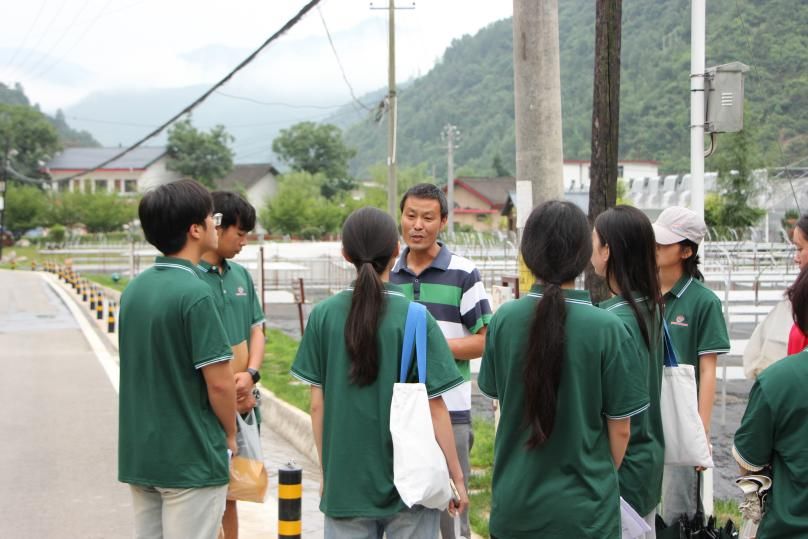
<point>288,211</point>
<point>26,207</point>
<point>204,157</point>
<point>106,212</point>
<point>316,149</point>
<point>499,169</point>
<point>27,132</point>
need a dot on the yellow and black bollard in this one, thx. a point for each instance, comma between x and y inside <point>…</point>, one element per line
<point>92,299</point>
<point>110,316</point>
<point>85,291</point>
<point>99,306</point>
<point>290,494</point>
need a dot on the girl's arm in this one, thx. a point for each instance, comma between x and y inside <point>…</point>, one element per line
<point>317,410</point>
<point>442,425</point>
<point>619,433</point>
<point>706,393</point>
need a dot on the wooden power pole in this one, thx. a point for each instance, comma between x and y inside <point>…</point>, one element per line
<point>605,108</point>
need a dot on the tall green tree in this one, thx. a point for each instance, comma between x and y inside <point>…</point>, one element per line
<point>317,149</point>
<point>30,136</point>
<point>202,156</point>
<point>26,207</point>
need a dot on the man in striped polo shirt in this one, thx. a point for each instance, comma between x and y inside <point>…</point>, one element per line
<point>451,289</point>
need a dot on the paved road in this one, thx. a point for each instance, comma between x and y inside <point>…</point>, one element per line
<point>58,416</point>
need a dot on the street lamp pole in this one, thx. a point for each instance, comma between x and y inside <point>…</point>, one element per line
<point>3,189</point>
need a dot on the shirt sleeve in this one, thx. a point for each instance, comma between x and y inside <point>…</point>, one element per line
<point>625,387</point>
<point>475,307</point>
<point>712,335</point>
<point>487,378</point>
<point>258,316</point>
<point>441,370</point>
<point>206,333</point>
<point>754,439</point>
<point>308,364</point>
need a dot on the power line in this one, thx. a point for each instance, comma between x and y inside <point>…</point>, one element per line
<point>278,103</point>
<point>27,34</point>
<point>45,31</point>
<point>45,58</point>
<point>339,63</point>
<point>289,24</point>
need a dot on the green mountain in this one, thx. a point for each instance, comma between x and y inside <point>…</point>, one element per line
<point>472,87</point>
<point>68,137</point>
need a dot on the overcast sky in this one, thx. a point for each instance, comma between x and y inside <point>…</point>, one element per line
<point>63,50</point>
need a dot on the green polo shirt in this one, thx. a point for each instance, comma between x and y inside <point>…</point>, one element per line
<point>641,471</point>
<point>236,297</point>
<point>169,328</point>
<point>357,446</point>
<point>696,322</point>
<point>774,432</point>
<point>568,486</point>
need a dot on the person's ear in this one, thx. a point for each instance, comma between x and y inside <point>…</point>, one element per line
<point>346,257</point>
<point>685,252</point>
<point>195,231</point>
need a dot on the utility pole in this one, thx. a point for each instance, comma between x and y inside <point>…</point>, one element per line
<point>3,190</point>
<point>392,119</point>
<point>698,16</point>
<point>537,104</point>
<point>605,108</point>
<point>450,132</point>
<point>605,123</point>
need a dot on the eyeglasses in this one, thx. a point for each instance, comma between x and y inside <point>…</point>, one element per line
<point>217,219</point>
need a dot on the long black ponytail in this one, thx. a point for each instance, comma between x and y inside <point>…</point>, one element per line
<point>556,247</point>
<point>369,240</point>
<point>632,260</point>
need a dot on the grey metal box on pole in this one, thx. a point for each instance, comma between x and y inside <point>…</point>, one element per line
<point>724,98</point>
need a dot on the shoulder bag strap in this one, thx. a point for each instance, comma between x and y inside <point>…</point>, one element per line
<point>409,337</point>
<point>670,353</point>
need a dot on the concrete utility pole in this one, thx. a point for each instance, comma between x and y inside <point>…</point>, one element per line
<point>450,132</point>
<point>537,105</point>
<point>392,118</point>
<point>698,16</point>
<point>605,108</point>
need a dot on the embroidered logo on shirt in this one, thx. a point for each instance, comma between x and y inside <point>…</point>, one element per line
<point>680,320</point>
<point>240,291</point>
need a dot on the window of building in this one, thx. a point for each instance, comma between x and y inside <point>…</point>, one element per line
<point>100,186</point>
<point>130,186</point>
<point>117,185</point>
<point>88,185</point>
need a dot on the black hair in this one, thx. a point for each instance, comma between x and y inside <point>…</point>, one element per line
<point>369,238</point>
<point>429,191</point>
<point>556,247</point>
<point>234,209</point>
<point>632,260</point>
<point>802,224</point>
<point>167,212</point>
<point>797,294</point>
<point>691,263</point>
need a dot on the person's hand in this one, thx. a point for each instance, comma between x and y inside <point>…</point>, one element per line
<point>244,384</point>
<point>457,507</point>
<point>710,447</point>
<point>246,403</point>
<point>232,446</point>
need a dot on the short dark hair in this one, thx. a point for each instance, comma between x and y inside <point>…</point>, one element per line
<point>167,212</point>
<point>429,191</point>
<point>234,209</point>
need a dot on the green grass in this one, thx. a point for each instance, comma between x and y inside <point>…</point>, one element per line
<point>279,354</point>
<point>106,280</point>
<point>727,510</point>
<point>482,465</point>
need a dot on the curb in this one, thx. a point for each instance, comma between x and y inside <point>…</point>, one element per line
<point>290,422</point>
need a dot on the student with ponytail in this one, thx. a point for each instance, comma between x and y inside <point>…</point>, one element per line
<point>350,355</point>
<point>624,254</point>
<point>564,373</point>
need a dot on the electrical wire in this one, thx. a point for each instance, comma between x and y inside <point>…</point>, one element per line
<point>289,24</point>
<point>339,63</point>
<point>46,57</point>
<point>45,31</point>
<point>277,103</point>
<point>27,35</point>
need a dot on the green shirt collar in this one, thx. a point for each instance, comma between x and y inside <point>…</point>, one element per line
<point>681,285</point>
<point>170,262</point>
<point>388,287</point>
<point>617,300</point>
<point>207,267</point>
<point>570,295</point>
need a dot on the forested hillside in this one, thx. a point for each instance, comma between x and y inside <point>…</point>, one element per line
<point>68,137</point>
<point>472,87</point>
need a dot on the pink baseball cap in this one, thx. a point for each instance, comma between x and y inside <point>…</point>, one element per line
<point>676,224</point>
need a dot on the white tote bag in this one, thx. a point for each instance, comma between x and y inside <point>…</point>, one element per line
<point>420,473</point>
<point>685,439</point>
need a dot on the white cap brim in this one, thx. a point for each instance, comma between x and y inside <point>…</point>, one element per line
<point>665,236</point>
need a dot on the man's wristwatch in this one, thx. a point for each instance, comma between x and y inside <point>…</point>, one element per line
<point>254,374</point>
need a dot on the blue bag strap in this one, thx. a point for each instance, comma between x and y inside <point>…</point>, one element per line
<point>420,343</point>
<point>670,353</point>
<point>414,333</point>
